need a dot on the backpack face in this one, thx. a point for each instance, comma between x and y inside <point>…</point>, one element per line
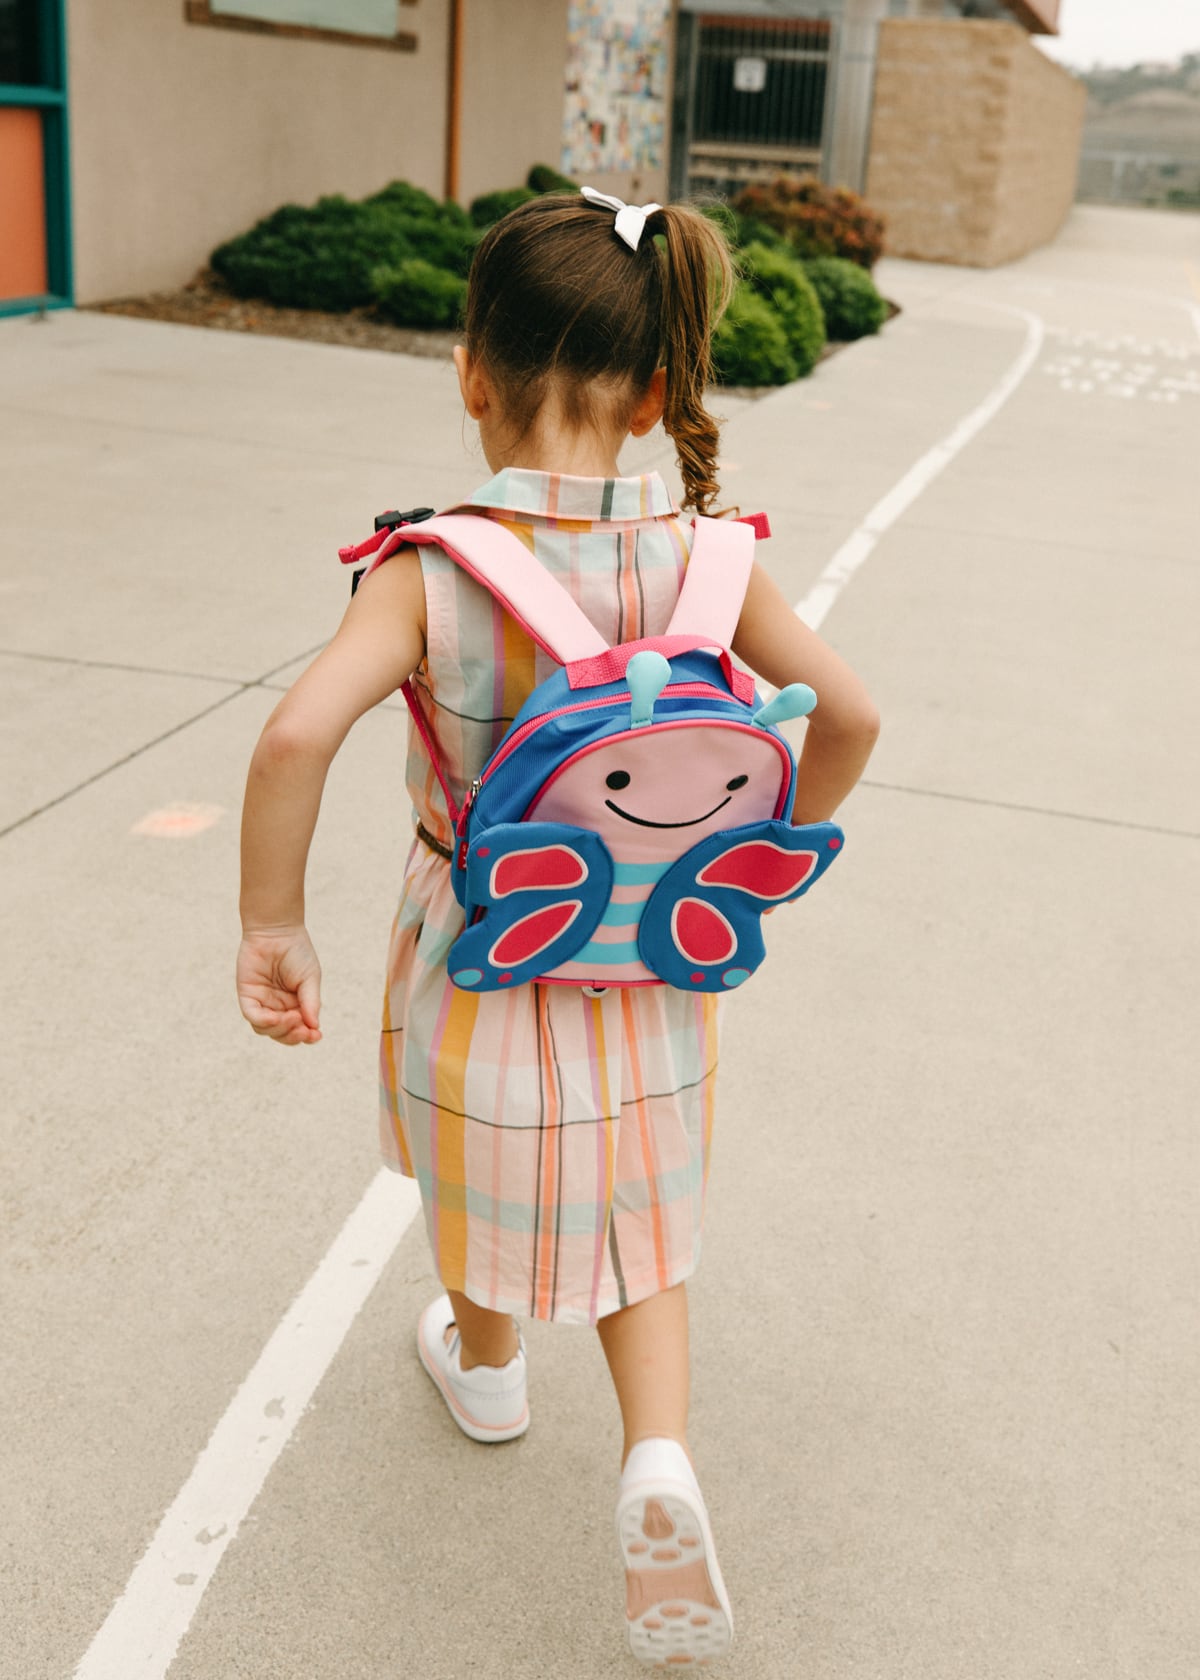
<point>650,793</point>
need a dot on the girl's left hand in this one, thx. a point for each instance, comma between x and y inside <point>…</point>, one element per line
<point>279,985</point>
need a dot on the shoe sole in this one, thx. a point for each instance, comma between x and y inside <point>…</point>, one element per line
<point>469,1424</point>
<point>676,1606</point>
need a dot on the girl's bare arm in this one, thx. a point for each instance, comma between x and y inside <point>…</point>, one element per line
<point>842,730</point>
<point>379,644</point>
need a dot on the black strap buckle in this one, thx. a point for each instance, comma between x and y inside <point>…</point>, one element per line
<point>388,522</point>
<point>414,516</point>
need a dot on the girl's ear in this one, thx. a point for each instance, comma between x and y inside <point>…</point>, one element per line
<point>649,408</point>
<point>471,382</point>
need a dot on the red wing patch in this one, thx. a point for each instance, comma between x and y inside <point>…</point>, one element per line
<point>760,869</point>
<point>538,869</point>
<point>533,934</point>
<point>701,933</point>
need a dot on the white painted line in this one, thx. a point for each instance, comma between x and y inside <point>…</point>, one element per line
<point>814,608</point>
<point>144,1629</point>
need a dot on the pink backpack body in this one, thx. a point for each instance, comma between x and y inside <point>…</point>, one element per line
<point>634,823</point>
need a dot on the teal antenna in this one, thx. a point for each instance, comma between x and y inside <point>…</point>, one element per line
<point>794,701</point>
<point>647,674</point>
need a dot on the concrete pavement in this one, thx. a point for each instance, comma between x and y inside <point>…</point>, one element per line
<point>945,1351</point>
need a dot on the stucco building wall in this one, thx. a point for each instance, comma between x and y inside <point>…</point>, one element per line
<point>182,135</point>
<point>512,91</point>
<point>975,141</point>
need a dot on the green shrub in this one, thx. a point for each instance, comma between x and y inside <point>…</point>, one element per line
<point>415,293</point>
<point>849,297</point>
<point>489,207</point>
<point>444,244</point>
<point>407,200</point>
<point>750,345</point>
<point>322,256</point>
<point>543,179</point>
<point>817,221</point>
<point>782,282</point>
<point>747,230</point>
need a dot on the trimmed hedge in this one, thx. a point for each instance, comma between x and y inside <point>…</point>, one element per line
<point>416,293</point>
<point>322,256</point>
<point>816,220</point>
<point>489,207</point>
<point>543,179</point>
<point>408,200</point>
<point>781,281</point>
<point>850,301</point>
<point>750,345</point>
<point>408,254</point>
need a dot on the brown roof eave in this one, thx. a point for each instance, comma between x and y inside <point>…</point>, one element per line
<point>1040,17</point>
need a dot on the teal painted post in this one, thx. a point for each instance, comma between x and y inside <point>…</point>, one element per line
<point>49,96</point>
<point>59,254</point>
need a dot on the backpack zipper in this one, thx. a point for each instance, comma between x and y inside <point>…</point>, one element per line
<point>689,690</point>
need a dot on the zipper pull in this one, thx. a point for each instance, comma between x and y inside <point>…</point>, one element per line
<point>461,829</point>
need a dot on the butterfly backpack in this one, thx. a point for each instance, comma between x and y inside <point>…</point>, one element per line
<point>632,825</point>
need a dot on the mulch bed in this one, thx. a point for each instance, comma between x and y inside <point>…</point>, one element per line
<point>206,302</point>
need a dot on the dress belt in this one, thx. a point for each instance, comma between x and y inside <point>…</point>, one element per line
<point>427,839</point>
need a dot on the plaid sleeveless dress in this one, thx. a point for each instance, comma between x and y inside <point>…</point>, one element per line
<point>560,1141</point>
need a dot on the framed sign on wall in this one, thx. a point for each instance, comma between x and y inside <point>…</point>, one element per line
<point>367,23</point>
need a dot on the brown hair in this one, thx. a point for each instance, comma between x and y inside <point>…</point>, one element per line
<point>556,298</point>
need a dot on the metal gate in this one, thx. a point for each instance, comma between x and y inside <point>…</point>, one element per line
<point>750,98</point>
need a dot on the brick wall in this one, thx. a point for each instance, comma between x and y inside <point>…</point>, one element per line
<point>974,142</point>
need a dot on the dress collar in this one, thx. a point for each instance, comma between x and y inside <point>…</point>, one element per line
<point>558,496</point>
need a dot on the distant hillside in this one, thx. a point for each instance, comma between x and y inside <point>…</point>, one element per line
<point>1106,86</point>
<point>1141,138</point>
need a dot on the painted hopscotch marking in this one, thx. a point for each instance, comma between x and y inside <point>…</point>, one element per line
<point>1125,367</point>
<point>178,821</point>
<point>143,1631</point>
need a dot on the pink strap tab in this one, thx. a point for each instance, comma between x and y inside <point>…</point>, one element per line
<point>610,666</point>
<point>354,552</point>
<point>714,585</point>
<point>758,523</point>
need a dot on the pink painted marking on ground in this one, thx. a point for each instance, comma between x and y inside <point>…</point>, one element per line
<point>178,821</point>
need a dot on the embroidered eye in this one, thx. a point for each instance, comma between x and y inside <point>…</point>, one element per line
<point>617,780</point>
<point>736,783</point>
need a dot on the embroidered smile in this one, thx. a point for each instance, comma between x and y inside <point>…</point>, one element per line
<point>644,822</point>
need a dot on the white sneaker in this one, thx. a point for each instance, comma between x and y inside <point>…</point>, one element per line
<point>487,1402</point>
<point>676,1606</point>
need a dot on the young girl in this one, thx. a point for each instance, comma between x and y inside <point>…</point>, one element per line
<point>560,1138</point>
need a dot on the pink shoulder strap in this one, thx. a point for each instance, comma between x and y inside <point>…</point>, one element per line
<point>708,609</point>
<point>500,561</point>
<point>714,585</point>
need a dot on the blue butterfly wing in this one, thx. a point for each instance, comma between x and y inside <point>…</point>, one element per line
<point>535,893</point>
<point>701,928</point>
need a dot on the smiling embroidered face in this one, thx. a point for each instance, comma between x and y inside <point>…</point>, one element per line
<point>650,794</point>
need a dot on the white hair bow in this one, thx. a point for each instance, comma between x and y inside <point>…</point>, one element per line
<point>631,218</point>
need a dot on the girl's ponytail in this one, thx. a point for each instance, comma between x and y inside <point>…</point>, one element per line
<point>557,298</point>
<point>697,286</point>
